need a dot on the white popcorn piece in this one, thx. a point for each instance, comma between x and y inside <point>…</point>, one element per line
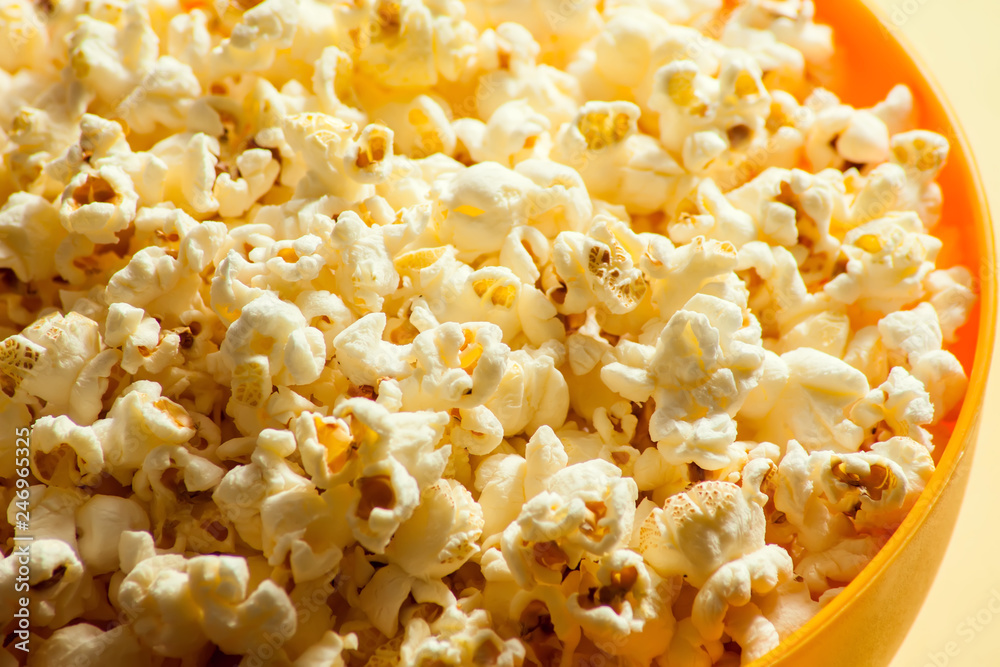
<point>398,460</point>
<point>52,510</point>
<point>628,612</point>
<point>952,297</point>
<point>441,534</point>
<point>167,467</point>
<point>455,367</point>
<point>320,143</point>
<point>704,365</point>
<point>65,454</point>
<point>99,523</point>
<point>458,639</point>
<point>140,420</point>
<point>530,375</point>
<point>480,206</point>
<point>365,273</point>
<point>29,232</point>
<point>887,262</point>
<point>500,481</point>
<point>586,508</point>
<point>617,164</point>
<point>87,643</point>
<point>600,267</point>
<point>812,405</point>
<point>326,447</point>
<point>152,278</point>
<point>840,563</point>
<point>884,482</point>
<point>191,159</point>
<point>60,359</point>
<point>275,333</point>
<point>254,40</point>
<point>306,530</point>
<point>109,59</point>
<point>243,490</point>
<point>258,171</point>
<point>791,23</point>
<point>714,536</point>
<point>914,337</point>
<point>700,266</point>
<point>61,588</point>
<point>716,218</point>
<point>421,126</point>
<point>900,404</point>
<point>328,651</point>
<point>922,155</point>
<point>364,357</point>
<point>842,136</point>
<point>514,132</point>
<point>231,289</point>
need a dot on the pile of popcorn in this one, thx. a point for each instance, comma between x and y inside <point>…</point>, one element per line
<point>425,332</point>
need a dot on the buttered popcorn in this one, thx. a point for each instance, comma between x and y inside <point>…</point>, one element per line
<point>456,333</point>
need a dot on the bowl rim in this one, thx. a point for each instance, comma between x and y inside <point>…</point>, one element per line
<point>961,442</point>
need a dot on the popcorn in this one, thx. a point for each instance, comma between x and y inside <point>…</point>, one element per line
<point>441,534</point>
<point>514,132</point>
<point>365,271</point>
<point>841,136</point>
<point>457,639</point>
<point>723,365</point>
<point>61,588</point>
<point>901,404</point>
<point>86,642</point>
<point>233,618</point>
<point>530,375</point>
<point>111,59</point>
<point>824,388</point>
<point>887,252</point>
<point>191,159</point>
<point>630,601</point>
<point>400,306</point>
<point>140,420</point>
<point>916,337</point>
<point>422,126</point>
<point>599,268</point>
<point>584,509</point>
<point>714,536</point>
<point>952,298</point>
<point>364,357</point>
<point>202,599</point>
<point>274,334</point>
<point>617,164</point>
<point>480,206</point>
<point>258,171</point>
<point>456,367</point>
<point>99,522</point>
<point>293,523</point>
<point>59,359</point>
<point>242,491</point>
<point>65,454</point>
<point>398,460</point>
<point>29,230</point>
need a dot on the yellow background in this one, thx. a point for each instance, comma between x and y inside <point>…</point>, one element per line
<point>960,42</point>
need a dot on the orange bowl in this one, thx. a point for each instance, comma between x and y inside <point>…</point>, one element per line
<point>867,622</point>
